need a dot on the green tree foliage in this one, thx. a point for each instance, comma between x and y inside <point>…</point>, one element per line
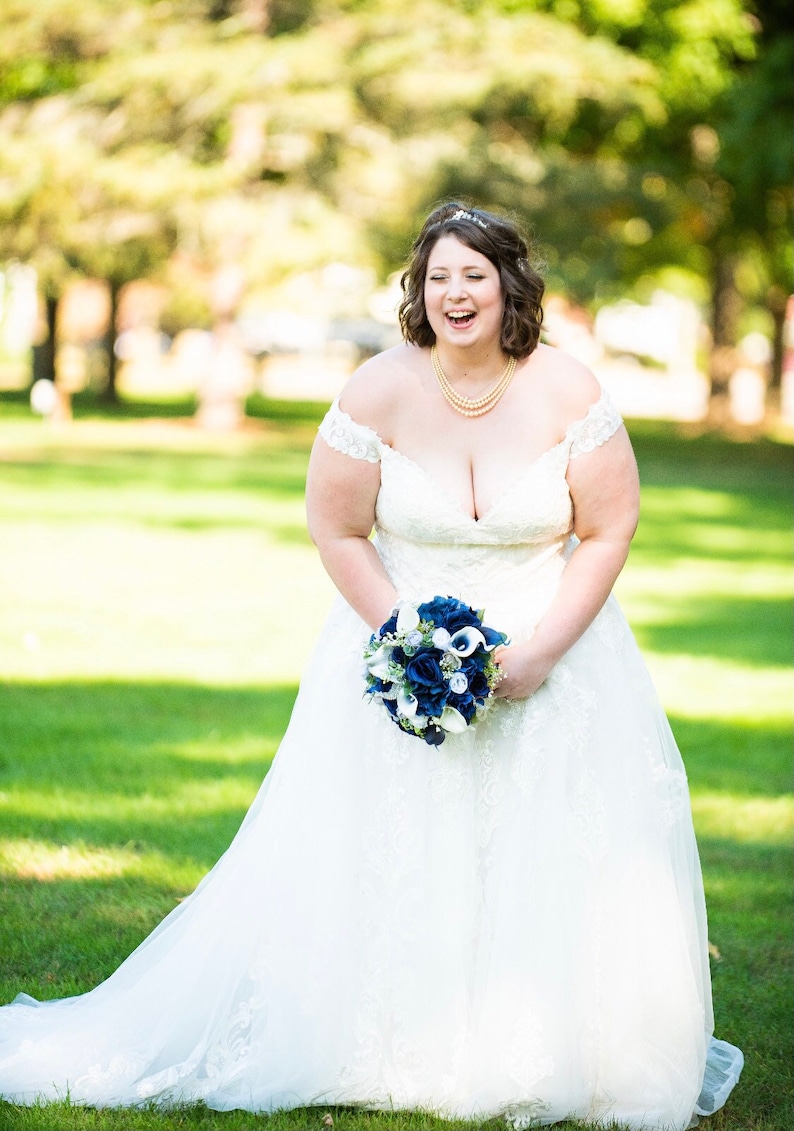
<point>647,135</point>
<point>281,134</point>
<point>130,133</point>
<point>755,170</point>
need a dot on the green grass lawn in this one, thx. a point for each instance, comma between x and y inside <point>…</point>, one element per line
<point>147,572</point>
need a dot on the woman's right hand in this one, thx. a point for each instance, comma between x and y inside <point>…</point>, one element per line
<point>524,670</point>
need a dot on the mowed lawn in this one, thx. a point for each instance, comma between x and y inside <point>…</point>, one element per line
<point>158,597</point>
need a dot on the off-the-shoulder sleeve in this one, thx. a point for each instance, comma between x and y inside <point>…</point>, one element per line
<point>342,434</point>
<point>594,429</point>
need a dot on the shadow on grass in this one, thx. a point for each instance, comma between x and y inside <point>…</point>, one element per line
<point>15,403</point>
<point>179,762</point>
<point>752,630</point>
<point>752,527</point>
<point>743,759</point>
<point>748,891</point>
<point>670,454</point>
<point>279,469</point>
<point>148,739</point>
<point>155,776</point>
<point>707,498</point>
<point>165,489</point>
<point>69,935</point>
<point>88,406</point>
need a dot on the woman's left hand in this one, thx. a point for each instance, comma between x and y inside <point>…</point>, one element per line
<point>524,671</point>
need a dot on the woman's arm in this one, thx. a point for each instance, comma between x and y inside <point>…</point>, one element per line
<point>340,507</point>
<point>605,491</point>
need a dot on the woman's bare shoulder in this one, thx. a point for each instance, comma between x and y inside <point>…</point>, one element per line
<point>571,388</point>
<point>375,389</point>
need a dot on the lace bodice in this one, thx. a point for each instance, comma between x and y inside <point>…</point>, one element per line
<point>428,542</point>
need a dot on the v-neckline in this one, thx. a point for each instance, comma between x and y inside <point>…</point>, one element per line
<point>445,491</point>
<point>442,490</point>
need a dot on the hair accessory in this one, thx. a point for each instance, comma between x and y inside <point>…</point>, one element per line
<point>462,214</point>
<point>473,406</point>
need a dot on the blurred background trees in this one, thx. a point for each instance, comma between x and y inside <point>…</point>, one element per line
<point>644,142</point>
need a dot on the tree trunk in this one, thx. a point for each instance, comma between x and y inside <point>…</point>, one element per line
<point>110,393</point>
<point>43,363</point>
<point>776,303</point>
<point>725,311</point>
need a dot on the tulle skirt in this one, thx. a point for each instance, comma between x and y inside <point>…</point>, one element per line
<point>510,923</point>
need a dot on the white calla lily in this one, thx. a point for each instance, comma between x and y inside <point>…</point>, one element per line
<point>378,662</point>
<point>407,618</point>
<point>452,721</point>
<point>407,704</point>
<point>465,641</point>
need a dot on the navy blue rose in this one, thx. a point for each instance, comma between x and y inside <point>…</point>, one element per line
<point>431,701</point>
<point>449,613</point>
<point>478,685</point>
<point>465,703</point>
<point>424,670</point>
<point>423,674</point>
<point>389,626</point>
<point>474,663</point>
<point>437,609</point>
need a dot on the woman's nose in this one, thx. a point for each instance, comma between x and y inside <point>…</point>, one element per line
<point>456,287</point>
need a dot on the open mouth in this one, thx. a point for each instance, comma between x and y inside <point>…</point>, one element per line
<point>460,317</point>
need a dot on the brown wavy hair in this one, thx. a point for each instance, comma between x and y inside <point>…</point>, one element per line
<point>500,241</point>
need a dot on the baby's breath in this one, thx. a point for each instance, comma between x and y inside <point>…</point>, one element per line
<point>450,663</point>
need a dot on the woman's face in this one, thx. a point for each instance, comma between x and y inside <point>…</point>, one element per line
<point>463,295</point>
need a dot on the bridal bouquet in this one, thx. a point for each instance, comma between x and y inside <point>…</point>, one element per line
<point>431,666</point>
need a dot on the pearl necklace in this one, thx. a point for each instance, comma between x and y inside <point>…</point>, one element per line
<point>473,406</point>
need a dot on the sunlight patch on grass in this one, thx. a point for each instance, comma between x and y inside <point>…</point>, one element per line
<point>35,440</point>
<point>657,503</point>
<point>253,750</point>
<point>733,890</point>
<point>37,860</point>
<point>767,820</point>
<point>47,862</point>
<point>174,801</point>
<point>666,588</point>
<point>704,687</point>
<point>194,509</point>
<point>142,602</point>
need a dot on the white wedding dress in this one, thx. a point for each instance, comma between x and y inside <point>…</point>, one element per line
<point>510,923</point>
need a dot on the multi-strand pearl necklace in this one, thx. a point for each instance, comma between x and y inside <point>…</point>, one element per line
<point>473,406</point>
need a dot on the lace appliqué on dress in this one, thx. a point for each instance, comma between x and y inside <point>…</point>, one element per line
<point>594,429</point>
<point>344,435</point>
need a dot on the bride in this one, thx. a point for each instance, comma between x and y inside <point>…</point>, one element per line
<point>509,923</point>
